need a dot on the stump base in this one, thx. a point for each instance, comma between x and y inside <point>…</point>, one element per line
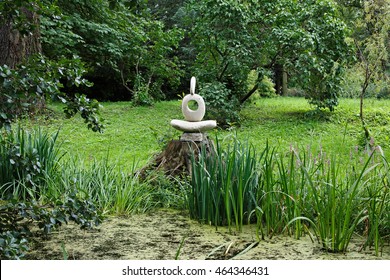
<point>175,159</point>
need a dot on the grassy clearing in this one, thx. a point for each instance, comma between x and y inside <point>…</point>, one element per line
<point>291,121</point>
<point>137,133</point>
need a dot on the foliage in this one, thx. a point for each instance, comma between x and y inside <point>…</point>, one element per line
<point>265,87</point>
<point>371,40</point>
<point>222,186</point>
<point>122,45</point>
<point>221,104</point>
<point>11,10</point>
<point>233,38</point>
<point>27,159</point>
<point>26,89</point>
<point>17,217</point>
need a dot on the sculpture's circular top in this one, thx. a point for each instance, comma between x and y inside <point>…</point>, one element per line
<point>193,115</point>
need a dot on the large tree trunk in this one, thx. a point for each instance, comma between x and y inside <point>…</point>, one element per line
<point>278,78</point>
<point>14,46</point>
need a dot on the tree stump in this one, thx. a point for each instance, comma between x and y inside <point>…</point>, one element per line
<point>175,159</point>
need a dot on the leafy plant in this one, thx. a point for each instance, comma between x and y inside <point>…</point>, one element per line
<point>26,89</point>
<point>17,217</point>
<point>221,104</point>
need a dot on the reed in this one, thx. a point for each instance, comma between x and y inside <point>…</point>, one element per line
<point>221,185</point>
<point>27,158</point>
<point>112,191</point>
<point>296,193</point>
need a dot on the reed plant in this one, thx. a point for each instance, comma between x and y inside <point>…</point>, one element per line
<point>295,193</point>
<point>112,191</point>
<point>27,158</point>
<point>222,184</point>
<point>339,199</point>
<point>376,199</point>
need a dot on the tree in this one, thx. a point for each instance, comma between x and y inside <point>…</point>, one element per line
<point>19,32</point>
<point>370,22</point>
<point>128,52</point>
<point>307,38</point>
<point>27,78</point>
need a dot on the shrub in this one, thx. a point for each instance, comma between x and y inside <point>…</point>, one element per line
<point>26,89</point>
<point>221,104</point>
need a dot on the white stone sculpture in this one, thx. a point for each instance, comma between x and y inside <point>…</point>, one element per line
<point>193,118</point>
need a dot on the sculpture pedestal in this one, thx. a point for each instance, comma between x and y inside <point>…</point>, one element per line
<point>175,159</point>
<point>193,137</point>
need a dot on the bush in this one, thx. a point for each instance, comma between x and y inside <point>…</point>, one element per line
<point>384,93</point>
<point>25,90</point>
<point>221,105</point>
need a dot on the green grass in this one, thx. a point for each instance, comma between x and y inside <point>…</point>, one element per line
<point>291,121</point>
<point>137,133</point>
<point>132,133</point>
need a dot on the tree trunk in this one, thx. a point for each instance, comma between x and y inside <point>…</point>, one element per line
<point>14,46</point>
<point>284,85</point>
<point>278,78</point>
<point>362,94</point>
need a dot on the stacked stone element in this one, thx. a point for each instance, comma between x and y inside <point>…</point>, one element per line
<point>193,126</point>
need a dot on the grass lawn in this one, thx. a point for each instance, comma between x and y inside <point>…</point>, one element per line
<point>134,134</point>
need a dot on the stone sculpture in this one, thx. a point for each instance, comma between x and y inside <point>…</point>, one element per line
<point>175,159</point>
<point>193,126</point>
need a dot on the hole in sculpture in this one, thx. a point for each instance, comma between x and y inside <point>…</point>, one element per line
<point>193,105</point>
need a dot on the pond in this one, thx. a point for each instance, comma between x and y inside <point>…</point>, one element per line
<point>165,234</point>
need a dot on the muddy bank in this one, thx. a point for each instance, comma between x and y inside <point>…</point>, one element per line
<point>159,236</point>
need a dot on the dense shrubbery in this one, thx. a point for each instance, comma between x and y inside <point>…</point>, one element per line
<point>221,104</point>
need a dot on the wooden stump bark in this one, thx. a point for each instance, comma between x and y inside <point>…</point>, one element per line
<point>175,159</point>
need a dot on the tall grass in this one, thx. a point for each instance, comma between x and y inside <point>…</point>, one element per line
<point>26,159</point>
<point>32,167</point>
<point>335,199</point>
<point>297,193</point>
<point>222,185</point>
<point>112,191</point>
<point>377,200</point>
